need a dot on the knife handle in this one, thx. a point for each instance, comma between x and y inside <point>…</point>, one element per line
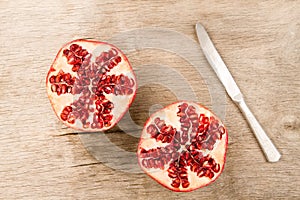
<point>270,151</point>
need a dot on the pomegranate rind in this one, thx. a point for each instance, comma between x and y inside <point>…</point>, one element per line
<point>161,175</point>
<point>121,102</point>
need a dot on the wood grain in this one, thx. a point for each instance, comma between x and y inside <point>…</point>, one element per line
<point>259,41</point>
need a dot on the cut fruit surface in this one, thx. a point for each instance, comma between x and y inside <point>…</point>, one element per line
<point>90,85</point>
<point>183,146</point>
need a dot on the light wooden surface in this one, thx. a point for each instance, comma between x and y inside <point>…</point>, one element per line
<point>259,41</point>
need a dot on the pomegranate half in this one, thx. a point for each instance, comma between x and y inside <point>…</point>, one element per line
<point>183,146</point>
<point>90,85</point>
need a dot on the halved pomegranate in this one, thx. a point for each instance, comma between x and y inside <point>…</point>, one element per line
<point>183,146</point>
<point>90,85</point>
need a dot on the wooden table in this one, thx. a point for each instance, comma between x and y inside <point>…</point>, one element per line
<point>259,41</point>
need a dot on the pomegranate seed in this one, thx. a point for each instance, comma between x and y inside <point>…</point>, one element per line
<point>84,53</point>
<point>128,91</point>
<point>107,123</point>
<point>68,108</point>
<point>210,147</point>
<point>216,168</point>
<point>66,52</point>
<point>63,116</point>
<point>183,175</point>
<point>70,54</point>
<point>222,130</point>
<point>209,174</point>
<point>85,63</point>
<point>107,89</point>
<point>99,108</point>
<point>86,81</point>
<point>175,183</point>
<point>63,88</point>
<point>106,111</point>
<point>96,117</point>
<point>95,82</point>
<point>86,125</point>
<point>73,47</point>
<point>118,59</point>
<point>172,175</point>
<point>99,60</point>
<point>58,90</point>
<point>58,78</point>
<point>53,88</point>
<point>76,67</point>
<point>72,60</point>
<point>100,124</point>
<point>78,50</point>
<point>201,118</point>
<point>152,130</point>
<point>94,125</point>
<point>185,183</point>
<point>77,60</point>
<point>67,77</point>
<point>109,105</point>
<point>71,119</point>
<point>98,102</point>
<point>108,118</point>
<point>52,79</point>
<point>65,112</point>
<point>145,163</point>
<point>69,89</point>
<point>201,173</point>
<point>112,53</point>
<point>105,56</point>
<point>131,83</point>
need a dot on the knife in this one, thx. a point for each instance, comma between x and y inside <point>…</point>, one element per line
<point>235,94</point>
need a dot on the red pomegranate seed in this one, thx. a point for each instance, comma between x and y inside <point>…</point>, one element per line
<point>68,108</point>
<point>76,67</point>
<point>112,53</point>
<point>58,78</point>
<point>66,52</point>
<point>86,125</point>
<point>58,90</point>
<point>118,59</point>
<point>63,88</point>
<point>77,60</point>
<point>73,47</point>
<point>71,119</point>
<point>66,77</point>
<point>84,53</point>
<point>69,89</point>
<point>78,50</point>
<point>72,60</point>
<point>100,124</point>
<point>107,123</point>
<point>64,116</point>
<point>53,88</point>
<point>52,79</point>
<point>93,125</point>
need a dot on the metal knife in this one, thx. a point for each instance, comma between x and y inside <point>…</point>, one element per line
<point>235,94</point>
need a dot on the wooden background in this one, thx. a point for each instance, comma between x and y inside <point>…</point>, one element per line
<point>259,41</point>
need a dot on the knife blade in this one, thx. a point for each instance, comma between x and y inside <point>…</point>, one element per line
<point>216,62</point>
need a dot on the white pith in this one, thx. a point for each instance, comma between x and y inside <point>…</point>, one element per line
<point>169,114</point>
<point>121,102</point>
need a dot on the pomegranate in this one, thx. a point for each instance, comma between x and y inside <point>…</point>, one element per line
<point>183,146</point>
<point>90,85</point>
